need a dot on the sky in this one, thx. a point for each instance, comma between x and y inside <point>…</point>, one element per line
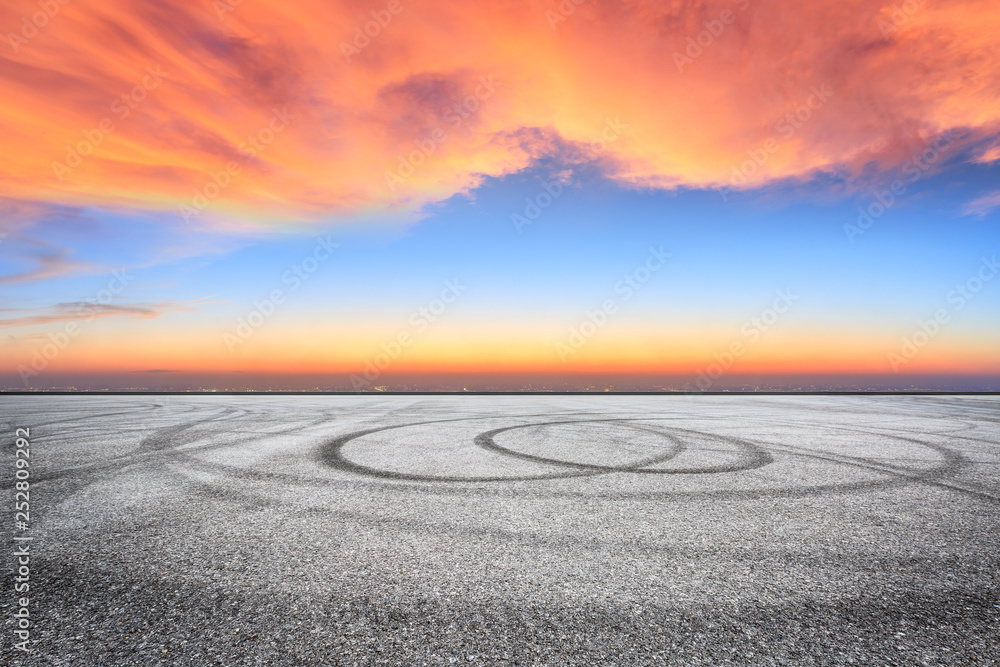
<point>373,194</point>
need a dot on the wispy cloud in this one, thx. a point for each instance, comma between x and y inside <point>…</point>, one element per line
<point>45,241</point>
<point>85,310</point>
<point>990,154</point>
<point>47,266</point>
<point>983,205</point>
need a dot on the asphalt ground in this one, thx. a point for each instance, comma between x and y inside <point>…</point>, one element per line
<point>587,530</point>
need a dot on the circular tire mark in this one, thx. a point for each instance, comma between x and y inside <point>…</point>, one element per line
<point>754,455</point>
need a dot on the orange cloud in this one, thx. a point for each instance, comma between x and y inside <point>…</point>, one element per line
<point>989,154</point>
<point>287,112</point>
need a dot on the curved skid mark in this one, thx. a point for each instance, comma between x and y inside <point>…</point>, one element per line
<point>134,457</point>
<point>331,453</point>
<point>757,458</point>
<point>173,452</point>
<point>162,438</point>
<point>163,446</point>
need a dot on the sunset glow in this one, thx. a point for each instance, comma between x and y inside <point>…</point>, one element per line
<point>529,187</point>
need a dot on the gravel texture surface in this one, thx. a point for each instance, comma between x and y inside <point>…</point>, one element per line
<point>438,530</point>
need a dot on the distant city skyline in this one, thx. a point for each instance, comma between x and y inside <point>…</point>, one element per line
<point>515,383</point>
